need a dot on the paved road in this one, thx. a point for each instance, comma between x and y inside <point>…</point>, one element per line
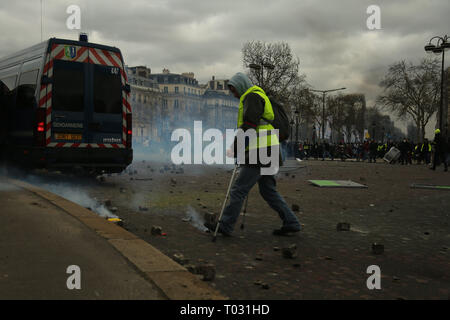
<point>42,234</point>
<point>413,225</point>
<point>38,241</point>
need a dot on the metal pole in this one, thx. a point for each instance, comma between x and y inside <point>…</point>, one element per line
<point>323,116</point>
<point>441,107</point>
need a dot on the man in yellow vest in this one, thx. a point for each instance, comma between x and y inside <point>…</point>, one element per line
<point>254,115</point>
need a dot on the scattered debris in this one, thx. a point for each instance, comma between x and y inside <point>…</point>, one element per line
<point>210,217</point>
<point>117,221</point>
<point>296,265</point>
<point>188,219</point>
<point>156,231</point>
<point>208,270</point>
<point>113,209</point>
<point>343,226</point>
<point>295,208</point>
<point>290,252</point>
<point>179,258</point>
<point>265,286</point>
<point>377,248</point>
<point>122,190</point>
<point>143,208</point>
<point>276,249</point>
<point>107,203</point>
<point>173,181</point>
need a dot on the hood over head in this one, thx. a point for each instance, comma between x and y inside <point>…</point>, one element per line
<point>240,82</point>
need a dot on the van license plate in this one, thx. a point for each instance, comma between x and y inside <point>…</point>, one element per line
<point>67,136</point>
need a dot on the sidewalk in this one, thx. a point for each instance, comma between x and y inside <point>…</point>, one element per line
<point>42,234</point>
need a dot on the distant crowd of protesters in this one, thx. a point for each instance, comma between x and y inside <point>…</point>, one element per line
<point>371,150</point>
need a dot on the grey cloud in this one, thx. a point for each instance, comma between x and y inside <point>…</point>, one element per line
<point>206,36</point>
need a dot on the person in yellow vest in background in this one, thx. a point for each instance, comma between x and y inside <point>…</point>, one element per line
<point>425,151</point>
<point>440,150</point>
<point>255,113</point>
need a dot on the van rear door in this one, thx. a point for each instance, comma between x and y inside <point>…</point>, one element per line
<point>69,102</point>
<point>106,116</point>
<point>87,104</point>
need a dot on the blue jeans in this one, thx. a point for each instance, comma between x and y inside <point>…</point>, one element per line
<point>248,176</point>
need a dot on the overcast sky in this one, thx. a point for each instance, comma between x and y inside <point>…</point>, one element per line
<point>330,37</point>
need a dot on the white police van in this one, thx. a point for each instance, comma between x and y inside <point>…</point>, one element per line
<point>65,104</point>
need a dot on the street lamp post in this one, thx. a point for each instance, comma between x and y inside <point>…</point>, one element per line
<point>324,92</point>
<point>261,67</point>
<point>442,43</point>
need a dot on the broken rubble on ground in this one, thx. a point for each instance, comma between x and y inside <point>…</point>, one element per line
<point>290,252</point>
<point>207,270</point>
<point>156,230</point>
<point>181,259</point>
<point>210,217</point>
<point>377,248</point>
<point>343,226</point>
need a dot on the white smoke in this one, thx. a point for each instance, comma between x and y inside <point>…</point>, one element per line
<point>75,194</point>
<point>196,220</point>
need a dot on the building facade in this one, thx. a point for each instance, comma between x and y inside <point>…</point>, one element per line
<point>163,102</point>
<point>146,101</point>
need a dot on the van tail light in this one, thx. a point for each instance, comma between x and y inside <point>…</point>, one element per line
<point>40,127</point>
<point>129,130</point>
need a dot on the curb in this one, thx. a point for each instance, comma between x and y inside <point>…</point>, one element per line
<point>175,281</point>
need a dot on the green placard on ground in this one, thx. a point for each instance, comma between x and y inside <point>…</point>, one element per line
<point>429,186</point>
<point>337,184</point>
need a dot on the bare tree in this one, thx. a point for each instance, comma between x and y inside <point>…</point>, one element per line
<point>283,80</point>
<point>412,91</point>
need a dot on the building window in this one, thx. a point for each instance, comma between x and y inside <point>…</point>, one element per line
<point>166,89</point>
<point>176,89</point>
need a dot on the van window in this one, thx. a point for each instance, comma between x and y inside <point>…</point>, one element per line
<point>8,83</point>
<point>7,92</point>
<point>68,87</point>
<point>107,90</point>
<point>26,90</point>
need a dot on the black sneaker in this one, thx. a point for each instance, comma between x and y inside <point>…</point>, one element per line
<point>285,231</point>
<point>212,228</point>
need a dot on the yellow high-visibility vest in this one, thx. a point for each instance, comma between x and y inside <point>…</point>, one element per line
<point>263,140</point>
